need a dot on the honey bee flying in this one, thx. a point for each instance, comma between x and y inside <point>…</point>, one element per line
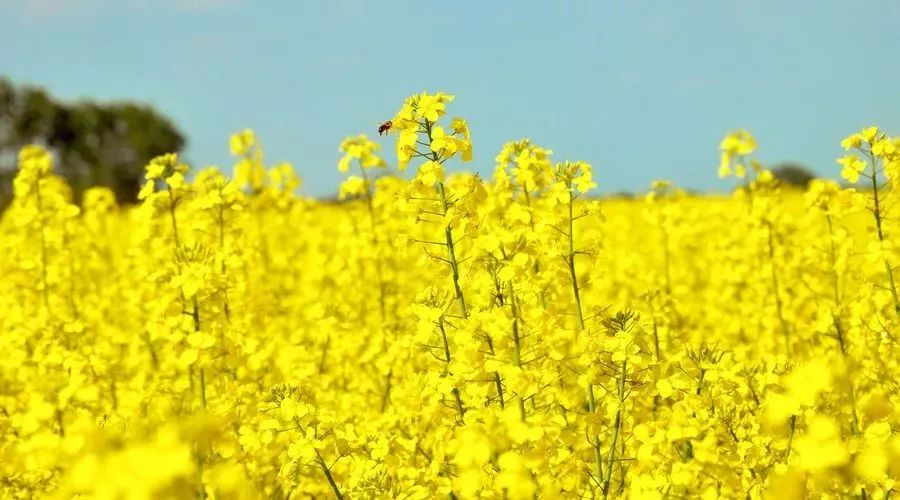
<point>384,127</point>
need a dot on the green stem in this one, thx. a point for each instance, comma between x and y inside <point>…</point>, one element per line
<point>836,319</point>
<point>454,270</point>
<point>172,202</point>
<point>224,265</point>
<point>598,455</point>
<point>617,428</point>
<point>328,476</point>
<point>451,253</point>
<point>386,396</point>
<point>517,342</point>
<point>880,231</point>
<point>776,291</point>
<point>459,405</point>
<point>787,453</point>
<point>195,314</point>
<point>201,493</point>
<point>448,234</point>
<point>592,407</point>
<point>570,260</point>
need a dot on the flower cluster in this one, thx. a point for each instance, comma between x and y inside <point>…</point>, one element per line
<point>439,334</point>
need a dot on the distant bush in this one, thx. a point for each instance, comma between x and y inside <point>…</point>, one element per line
<point>793,174</point>
<point>106,144</point>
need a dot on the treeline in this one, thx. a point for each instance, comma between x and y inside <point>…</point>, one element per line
<point>105,144</point>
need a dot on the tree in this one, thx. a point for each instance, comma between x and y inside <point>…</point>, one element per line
<point>793,174</point>
<point>105,144</point>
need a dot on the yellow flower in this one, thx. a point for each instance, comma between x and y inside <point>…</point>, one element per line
<point>146,190</point>
<point>515,476</point>
<point>852,141</point>
<point>353,186</point>
<point>430,173</point>
<point>583,183</point>
<point>869,134</point>
<point>176,181</point>
<point>725,166</point>
<point>406,147</point>
<point>461,127</point>
<point>884,148</point>
<point>35,160</point>
<point>241,142</point>
<point>465,146</point>
<point>363,150</point>
<point>442,143</point>
<point>431,107</point>
<point>155,170</point>
<point>449,334</point>
<point>821,448</point>
<point>852,167</point>
<point>738,143</point>
<point>664,388</point>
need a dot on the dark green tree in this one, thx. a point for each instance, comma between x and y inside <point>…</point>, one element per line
<point>95,144</point>
<point>793,174</point>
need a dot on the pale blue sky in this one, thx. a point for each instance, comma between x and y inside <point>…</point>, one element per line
<point>641,89</point>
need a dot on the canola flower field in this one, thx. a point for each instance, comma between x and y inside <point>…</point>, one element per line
<point>451,336</point>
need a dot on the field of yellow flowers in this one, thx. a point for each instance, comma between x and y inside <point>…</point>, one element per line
<point>449,336</point>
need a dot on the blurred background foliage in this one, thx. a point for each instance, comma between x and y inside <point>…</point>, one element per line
<point>105,144</point>
<point>793,174</point>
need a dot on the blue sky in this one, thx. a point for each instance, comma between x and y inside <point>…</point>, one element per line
<point>641,89</point>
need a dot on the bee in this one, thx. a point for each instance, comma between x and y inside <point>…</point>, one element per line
<point>384,127</point>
